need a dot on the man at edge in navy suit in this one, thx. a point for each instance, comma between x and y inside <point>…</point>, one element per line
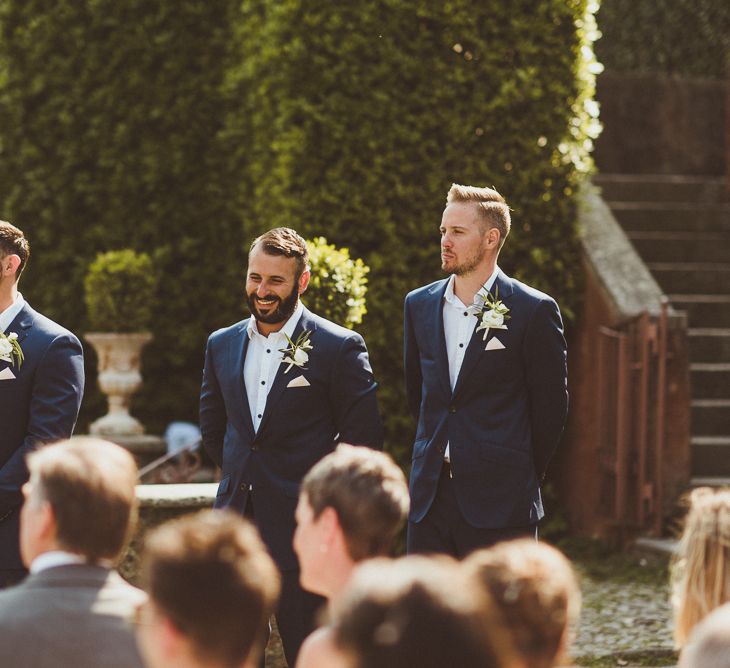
<point>486,379</point>
<point>41,385</point>
<point>280,389</point>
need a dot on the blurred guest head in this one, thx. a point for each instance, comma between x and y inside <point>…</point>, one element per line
<point>351,507</point>
<point>417,611</point>
<point>212,588</point>
<point>80,498</point>
<point>709,643</point>
<point>701,570</point>
<point>536,591</point>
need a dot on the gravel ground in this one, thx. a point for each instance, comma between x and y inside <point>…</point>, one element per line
<point>619,616</point>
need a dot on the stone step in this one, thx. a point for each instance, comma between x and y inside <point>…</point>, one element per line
<point>711,456</point>
<point>710,380</point>
<point>685,246</point>
<point>709,344</point>
<point>659,187</point>
<point>710,481</point>
<point>671,217</point>
<point>706,311</point>
<point>710,417</point>
<point>691,277</point>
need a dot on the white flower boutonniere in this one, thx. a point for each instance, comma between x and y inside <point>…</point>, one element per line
<point>491,311</point>
<point>296,354</point>
<point>10,350</point>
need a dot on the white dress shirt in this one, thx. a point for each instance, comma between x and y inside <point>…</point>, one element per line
<point>263,358</point>
<point>10,313</point>
<point>55,558</point>
<point>459,324</point>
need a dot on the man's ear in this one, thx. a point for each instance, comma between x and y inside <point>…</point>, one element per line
<point>47,527</point>
<point>304,281</point>
<point>9,265</point>
<point>493,238</point>
<point>329,522</point>
<point>171,639</point>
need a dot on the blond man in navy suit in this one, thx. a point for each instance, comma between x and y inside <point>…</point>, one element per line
<point>486,380</point>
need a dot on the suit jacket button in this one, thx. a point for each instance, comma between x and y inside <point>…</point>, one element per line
<point>254,447</point>
<point>452,409</point>
<point>244,487</point>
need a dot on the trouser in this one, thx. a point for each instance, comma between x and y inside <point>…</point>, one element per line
<point>444,529</point>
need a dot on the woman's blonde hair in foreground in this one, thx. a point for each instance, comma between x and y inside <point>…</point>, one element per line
<point>701,569</point>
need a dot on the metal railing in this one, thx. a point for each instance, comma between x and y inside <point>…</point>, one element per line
<point>632,379</point>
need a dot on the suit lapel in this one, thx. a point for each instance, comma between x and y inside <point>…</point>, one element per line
<point>436,325</point>
<point>236,359</point>
<point>476,348</point>
<point>22,323</point>
<point>282,379</point>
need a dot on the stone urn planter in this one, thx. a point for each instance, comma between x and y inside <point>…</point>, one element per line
<point>119,291</point>
<point>119,378</point>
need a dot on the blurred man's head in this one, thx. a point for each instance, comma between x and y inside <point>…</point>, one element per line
<point>212,588</point>
<point>352,505</point>
<point>416,611</point>
<point>80,498</point>
<point>536,591</point>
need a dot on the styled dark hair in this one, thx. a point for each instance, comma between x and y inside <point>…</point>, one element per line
<point>369,493</point>
<point>211,576</point>
<point>13,242</point>
<point>90,485</point>
<point>284,241</point>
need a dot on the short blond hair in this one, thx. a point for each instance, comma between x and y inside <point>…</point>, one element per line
<point>90,485</point>
<point>701,569</point>
<point>534,587</point>
<point>491,207</point>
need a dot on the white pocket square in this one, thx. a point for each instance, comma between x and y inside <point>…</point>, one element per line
<point>494,344</point>
<point>7,374</point>
<point>299,381</point>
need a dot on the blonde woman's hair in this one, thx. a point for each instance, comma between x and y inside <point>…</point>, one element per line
<point>701,569</point>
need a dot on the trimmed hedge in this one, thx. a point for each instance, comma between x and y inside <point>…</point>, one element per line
<point>361,115</point>
<point>119,292</point>
<point>109,139</point>
<point>675,37</point>
<point>184,129</point>
<point>338,284</point>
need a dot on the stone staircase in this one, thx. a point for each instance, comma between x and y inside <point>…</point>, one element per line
<point>681,228</point>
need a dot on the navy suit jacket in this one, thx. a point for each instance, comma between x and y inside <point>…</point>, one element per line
<point>300,425</point>
<point>505,414</point>
<point>38,406</point>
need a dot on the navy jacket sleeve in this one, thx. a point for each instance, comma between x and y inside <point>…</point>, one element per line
<point>58,387</point>
<point>353,395</point>
<point>547,378</point>
<point>212,409</point>
<point>412,363</point>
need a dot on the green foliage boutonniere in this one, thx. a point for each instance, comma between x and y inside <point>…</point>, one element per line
<point>296,354</point>
<point>10,350</point>
<point>491,312</point>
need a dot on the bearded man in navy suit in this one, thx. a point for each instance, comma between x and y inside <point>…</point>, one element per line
<point>41,385</point>
<point>486,379</point>
<point>280,389</point>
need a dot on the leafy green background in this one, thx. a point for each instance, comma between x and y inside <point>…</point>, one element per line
<point>675,37</point>
<point>184,129</point>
